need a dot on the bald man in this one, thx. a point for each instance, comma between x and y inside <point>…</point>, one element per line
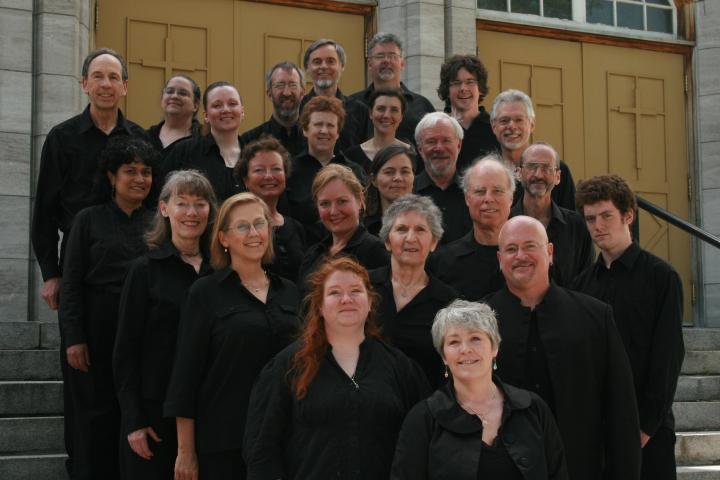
<point>564,346</point>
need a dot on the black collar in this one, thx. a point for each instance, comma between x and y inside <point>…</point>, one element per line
<point>86,123</point>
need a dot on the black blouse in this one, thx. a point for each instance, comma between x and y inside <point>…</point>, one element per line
<point>289,245</point>
<point>155,288</point>
<point>153,134</point>
<point>357,154</point>
<point>409,328</point>
<point>226,336</point>
<point>103,242</point>
<point>344,428</point>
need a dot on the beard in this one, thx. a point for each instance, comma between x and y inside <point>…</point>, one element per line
<point>285,112</point>
<point>324,83</point>
<point>538,188</point>
<point>386,74</point>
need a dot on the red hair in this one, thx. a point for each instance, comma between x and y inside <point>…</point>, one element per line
<point>313,339</point>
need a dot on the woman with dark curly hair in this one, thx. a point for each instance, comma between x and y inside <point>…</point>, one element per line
<point>104,239</point>
<point>331,404</point>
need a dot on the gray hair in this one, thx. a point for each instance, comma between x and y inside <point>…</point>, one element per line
<point>413,203</point>
<point>104,51</point>
<point>288,67</point>
<point>474,316</point>
<point>556,157</point>
<point>382,38</point>
<point>511,96</point>
<point>492,158</point>
<point>432,119</point>
<point>321,42</point>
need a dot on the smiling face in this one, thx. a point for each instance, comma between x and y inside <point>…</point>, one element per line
<point>224,110</point>
<point>439,148</point>
<point>339,209</point>
<point>104,85</point>
<point>410,240</point>
<point>608,227</point>
<point>346,303</point>
<point>385,62</point>
<point>177,98</point>
<point>247,234</point>
<point>322,133</point>
<point>131,183</point>
<point>324,67</point>
<point>187,214</point>
<point>386,115</point>
<point>266,175</point>
<point>468,354</point>
<point>286,92</point>
<point>395,178</point>
<point>488,196</point>
<point>464,92</point>
<point>512,126</point>
<point>539,174</point>
<point>524,254</point>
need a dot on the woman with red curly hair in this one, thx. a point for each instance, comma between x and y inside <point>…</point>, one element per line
<point>331,404</point>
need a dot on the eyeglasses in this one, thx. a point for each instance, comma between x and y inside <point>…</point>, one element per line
<point>282,86</point>
<point>543,167</point>
<point>181,92</point>
<point>470,82</point>
<point>244,227</point>
<point>385,56</point>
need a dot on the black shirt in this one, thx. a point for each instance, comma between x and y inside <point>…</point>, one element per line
<point>537,376</point>
<point>469,267</point>
<point>155,288</point>
<point>417,107</point>
<point>294,141</point>
<point>357,120</point>
<point>647,299</point>
<point>289,245</point>
<point>409,328</point>
<point>344,428</point>
<point>226,336</point>
<point>572,246</point>
<point>203,154</point>
<point>478,141</point>
<point>299,192</point>
<point>451,201</point>
<point>102,244</point>
<point>367,249</point>
<point>68,165</point>
<point>153,134</point>
<point>357,154</point>
<point>563,194</point>
<point>373,223</point>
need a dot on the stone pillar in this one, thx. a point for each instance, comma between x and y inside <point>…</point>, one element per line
<point>460,30</point>
<point>15,165</point>
<point>707,66</point>
<point>62,38</point>
<point>420,24</point>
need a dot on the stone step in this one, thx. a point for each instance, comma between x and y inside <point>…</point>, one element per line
<point>31,398</point>
<point>697,448</point>
<point>29,365</point>
<point>35,467</point>
<point>698,388</point>
<point>701,362</point>
<point>23,435</point>
<point>696,416</point>
<point>705,472</point>
<point>702,338</point>
<point>29,335</point>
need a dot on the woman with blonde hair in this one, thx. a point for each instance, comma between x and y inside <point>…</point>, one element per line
<point>232,323</point>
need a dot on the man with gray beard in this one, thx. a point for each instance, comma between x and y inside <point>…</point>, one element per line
<point>539,172</point>
<point>284,87</point>
<point>439,138</point>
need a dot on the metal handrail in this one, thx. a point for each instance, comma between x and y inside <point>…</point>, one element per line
<point>679,222</point>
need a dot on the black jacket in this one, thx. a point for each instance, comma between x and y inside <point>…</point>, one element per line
<point>439,440</point>
<point>344,428</point>
<point>451,202</point>
<point>293,141</point>
<point>590,375</point>
<point>478,141</point>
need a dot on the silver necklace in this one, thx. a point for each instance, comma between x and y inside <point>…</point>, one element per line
<point>257,289</point>
<point>482,416</point>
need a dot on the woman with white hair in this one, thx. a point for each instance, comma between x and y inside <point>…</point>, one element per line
<point>476,426</point>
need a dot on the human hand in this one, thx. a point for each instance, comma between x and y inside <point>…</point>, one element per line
<point>51,292</point>
<point>186,466</point>
<point>139,444</point>
<point>644,439</point>
<point>78,356</point>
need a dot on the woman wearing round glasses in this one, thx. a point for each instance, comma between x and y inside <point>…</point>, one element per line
<point>179,102</point>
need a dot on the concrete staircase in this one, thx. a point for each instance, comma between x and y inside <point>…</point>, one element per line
<point>31,428</point>
<point>31,423</point>
<point>697,407</point>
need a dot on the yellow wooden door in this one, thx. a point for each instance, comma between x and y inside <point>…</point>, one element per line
<point>635,127</point>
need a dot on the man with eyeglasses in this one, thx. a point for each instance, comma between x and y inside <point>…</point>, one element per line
<point>513,121</point>
<point>284,87</point>
<point>539,175</point>
<point>385,65</point>
<point>564,346</point>
<point>463,87</point>
<point>324,61</point>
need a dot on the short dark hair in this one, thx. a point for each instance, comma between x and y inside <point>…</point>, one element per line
<point>121,150</point>
<point>104,51</point>
<point>606,187</point>
<point>266,143</point>
<point>388,92</point>
<point>213,86</point>
<point>195,88</point>
<point>321,42</point>
<point>323,104</point>
<point>372,195</point>
<point>449,71</point>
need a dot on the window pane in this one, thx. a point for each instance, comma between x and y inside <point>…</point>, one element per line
<point>558,8</point>
<point>659,20</point>
<point>525,6</point>
<point>630,16</point>
<point>599,11</point>
<point>493,5</point>
<point>659,2</point>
